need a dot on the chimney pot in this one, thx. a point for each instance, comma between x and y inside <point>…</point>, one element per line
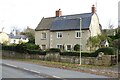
<point>93,9</point>
<point>58,13</point>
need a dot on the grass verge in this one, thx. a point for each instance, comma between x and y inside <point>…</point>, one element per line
<point>98,70</point>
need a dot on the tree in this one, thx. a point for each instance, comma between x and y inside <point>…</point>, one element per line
<point>110,25</point>
<point>93,42</point>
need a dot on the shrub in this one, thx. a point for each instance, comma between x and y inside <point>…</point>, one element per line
<point>53,50</point>
<point>83,54</point>
<point>8,47</point>
<point>24,47</point>
<point>36,52</point>
<point>106,51</point>
<point>77,47</point>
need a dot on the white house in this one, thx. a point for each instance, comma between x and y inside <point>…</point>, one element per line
<point>17,39</point>
<point>4,38</point>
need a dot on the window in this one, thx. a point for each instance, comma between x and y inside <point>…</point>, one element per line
<point>77,34</point>
<point>43,35</point>
<point>69,47</point>
<point>43,47</point>
<point>60,46</point>
<point>59,34</point>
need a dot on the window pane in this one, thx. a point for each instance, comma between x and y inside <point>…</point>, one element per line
<point>43,35</point>
<point>59,35</point>
<point>68,47</point>
<point>60,46</point>
<point>43,47</point>
<point>78,34</point>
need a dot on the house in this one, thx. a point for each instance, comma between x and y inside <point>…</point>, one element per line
<point>4,38</point>
<point>17,39</point>
<point>63,31</point>
<point>104,43</point>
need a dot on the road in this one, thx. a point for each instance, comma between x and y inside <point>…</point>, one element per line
<point>8,72</point>
<point>15,69</point>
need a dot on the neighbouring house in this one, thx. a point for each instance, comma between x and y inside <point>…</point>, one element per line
<point>4,38</point>
<point>104,43</point>
<point>63,31</point>
<point>17,39</point>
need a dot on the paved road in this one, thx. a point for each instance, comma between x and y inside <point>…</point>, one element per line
<point>41,71</point>
<point>8,72</point>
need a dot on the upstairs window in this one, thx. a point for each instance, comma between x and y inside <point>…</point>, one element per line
<point>77,34</point>
<point>43,35</point>
<point>59,34</point>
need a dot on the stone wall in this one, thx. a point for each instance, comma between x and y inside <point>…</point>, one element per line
<point>104,60</point>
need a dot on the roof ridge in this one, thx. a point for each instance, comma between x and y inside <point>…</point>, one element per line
<point>76,14</point>
<point>68,15</point>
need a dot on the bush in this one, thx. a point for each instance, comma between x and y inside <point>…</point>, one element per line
<point>24,47</point>
<point>106,51</point>
<point>9,47</point>
<point>54,50</point>
<point>36,52</point>
<point>77,47</point>
<point>83,54</point>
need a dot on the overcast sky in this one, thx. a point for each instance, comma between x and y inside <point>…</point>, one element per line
<point>23,13</point>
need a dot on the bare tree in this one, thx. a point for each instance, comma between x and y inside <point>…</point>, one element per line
<point>110,25</point>
<point>15,30</point>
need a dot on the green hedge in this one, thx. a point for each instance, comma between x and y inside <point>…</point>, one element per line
<point>9,47</point>
<point>36,52</point>
<point>106,51</point>
<point>83,54</point>
<point>53,50</point>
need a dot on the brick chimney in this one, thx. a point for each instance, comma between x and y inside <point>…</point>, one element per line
<point>58,13</point>
<point>93,9</point>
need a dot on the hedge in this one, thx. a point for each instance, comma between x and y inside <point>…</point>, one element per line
<point>83,54</point>
<point>9,47</point>
<point>53,50</point>
<point>36,52</point>
<point>106,51</point>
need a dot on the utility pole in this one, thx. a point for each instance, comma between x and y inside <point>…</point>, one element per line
<point>80,38</point>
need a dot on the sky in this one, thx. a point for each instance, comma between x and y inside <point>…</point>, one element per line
<point>23,13</point>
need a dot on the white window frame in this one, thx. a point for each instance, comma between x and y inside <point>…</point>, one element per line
<point>67,47</point>
<point>42,46</point>
<point>42,35</point>
<point>59,33</point>
<point>76,32</point>
<point>60,45</point>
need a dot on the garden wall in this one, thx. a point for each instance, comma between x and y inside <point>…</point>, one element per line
<point>104,60</point>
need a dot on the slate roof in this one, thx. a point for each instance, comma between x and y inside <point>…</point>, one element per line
<point>45,24</point>
<point>67,22</point>
<point>17,36</point>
